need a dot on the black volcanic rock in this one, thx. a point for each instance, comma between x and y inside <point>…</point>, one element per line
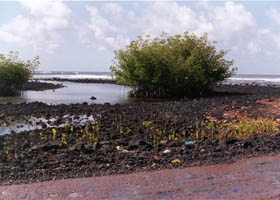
<point>126,138</point>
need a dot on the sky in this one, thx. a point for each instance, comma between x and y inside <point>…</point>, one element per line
<point>83,35</point>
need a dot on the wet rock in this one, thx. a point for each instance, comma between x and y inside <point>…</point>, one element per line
<point>107,148</point>
<point>231,141</point>
<point>82,147</point>
<point>39,86</point>
<point>135,143</point>
<point>108,81</point>
<point>100,166</point>
<point>124,144</point>
<point>122,141</point>
<point>51,146</point>
<point>247,144</point>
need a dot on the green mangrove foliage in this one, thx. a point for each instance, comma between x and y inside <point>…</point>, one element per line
<point>15,72</point>
<point>180,65</point>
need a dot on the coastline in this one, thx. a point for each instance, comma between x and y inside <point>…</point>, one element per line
<point>35,85</point>
<point>126,138</point>
<point>78,80</point>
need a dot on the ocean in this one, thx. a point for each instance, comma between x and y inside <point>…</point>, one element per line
<point>72,75</point>
<point>254,79</point>
<point>236,79</point>
<point>105,93</point>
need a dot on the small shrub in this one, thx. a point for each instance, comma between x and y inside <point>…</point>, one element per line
<point>14,72</point>
<point>182,65</point>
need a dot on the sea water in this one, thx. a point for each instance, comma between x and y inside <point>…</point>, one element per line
<point>74,92</point>
<point>104,93</point>
<point>72,75</point>
<point>254,79</point>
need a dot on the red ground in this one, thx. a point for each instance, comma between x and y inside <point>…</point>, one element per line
<point>257,178</point>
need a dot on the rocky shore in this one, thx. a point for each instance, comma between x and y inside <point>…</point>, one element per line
<point>82,140</point>
<point>39,86</point>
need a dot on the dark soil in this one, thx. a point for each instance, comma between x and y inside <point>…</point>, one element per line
<point>39,86</point>
<point>128,138</point>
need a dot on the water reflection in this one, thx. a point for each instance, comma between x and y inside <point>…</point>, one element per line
<point>39,123</point>
<point>74,93</point>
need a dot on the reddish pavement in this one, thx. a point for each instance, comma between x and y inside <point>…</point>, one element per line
<point>257,178</point>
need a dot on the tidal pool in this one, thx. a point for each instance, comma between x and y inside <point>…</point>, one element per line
<point>37,123</point>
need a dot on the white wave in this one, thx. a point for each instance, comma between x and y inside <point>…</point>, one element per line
<point>256,79</point>
<point>71,76</point>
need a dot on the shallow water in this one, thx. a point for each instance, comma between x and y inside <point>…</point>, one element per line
<point>36,123</point>
<point>74,93</point>
<point>82,92</point>
<point>71,93</point>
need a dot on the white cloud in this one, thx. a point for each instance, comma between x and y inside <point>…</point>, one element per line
<point>264,41</point>
<point>54,14</point>
<point>166,16</point>
<point>113,9</point>
<point>230,19</point>
<point>99,32</point>
<point>231,24</point>
<point>220,22</point>
<point>253,47</point>
<point>99,24</point>
<point>169,17</point>
<point>274,15</point>
<point>276,39</point>
<point>40,29</point>
<point>203,3</point>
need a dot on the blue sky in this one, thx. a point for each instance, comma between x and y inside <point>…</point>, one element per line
<point>82,35</point>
